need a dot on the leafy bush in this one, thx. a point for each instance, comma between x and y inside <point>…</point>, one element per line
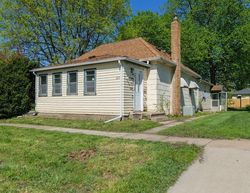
<point>16,85</point>
<point>248,108</point>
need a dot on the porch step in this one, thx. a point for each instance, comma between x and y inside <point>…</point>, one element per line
<point>137,116</point>
<point>158,117</point>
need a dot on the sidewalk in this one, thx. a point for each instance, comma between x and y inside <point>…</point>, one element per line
<point>171,123</point>
<point>212,143</point>
<point>221,170</point>
<point>138,136</point>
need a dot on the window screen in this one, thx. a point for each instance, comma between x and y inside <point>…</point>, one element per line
<point>72,83</point>
<point>43,85</point>
<point>90,82</point>
<point>57,84</point>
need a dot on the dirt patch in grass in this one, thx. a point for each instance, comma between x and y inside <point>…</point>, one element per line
<point>82,155</point>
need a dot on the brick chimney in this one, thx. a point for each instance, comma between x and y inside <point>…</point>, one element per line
<point>176,57</point>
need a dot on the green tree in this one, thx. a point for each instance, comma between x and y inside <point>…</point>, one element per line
<point>55,31</point>
<point>151,26</point>
<point>16,85</point>
<point>215,37</point>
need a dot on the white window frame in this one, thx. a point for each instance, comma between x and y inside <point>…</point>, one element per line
<point>86,92</point>
<point>69,84</point>
<point>40,85</point>
<point>56,84</point>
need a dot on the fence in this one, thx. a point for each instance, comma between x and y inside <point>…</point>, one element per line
<point>238,103</point>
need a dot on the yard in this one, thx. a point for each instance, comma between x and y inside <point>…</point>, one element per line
<point>227,125</point>
<point>41,161</point>
<point>123,126</point>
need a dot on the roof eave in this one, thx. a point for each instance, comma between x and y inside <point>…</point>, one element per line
<point>194,74</point>
<point>159,58</point>
<point>209,83</point>
<point>90,63</point>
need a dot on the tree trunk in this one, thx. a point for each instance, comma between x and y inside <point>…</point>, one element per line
<point>213,73</point>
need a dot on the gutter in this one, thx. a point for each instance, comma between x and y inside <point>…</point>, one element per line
<point>206,82</point>
<point>190,71</point>
<point>160,58</point>
<point>173,64</point>
<point>91,62</point>
<point>121,95</point>
<point>36,90</point>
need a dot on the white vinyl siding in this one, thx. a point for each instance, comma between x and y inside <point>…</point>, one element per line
<point>129,86</point>
<point>106,102</point>
<point>159,88</point>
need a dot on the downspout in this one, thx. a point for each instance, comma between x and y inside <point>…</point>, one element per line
<point>35,87</point>
<point>121,93</point>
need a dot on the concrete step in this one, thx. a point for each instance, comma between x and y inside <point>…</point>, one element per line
<point>31,113</point>
<point>159,118</point>
<point>137,116</point>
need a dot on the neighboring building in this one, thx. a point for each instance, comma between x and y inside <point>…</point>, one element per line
<point>240,99</point>
<point>123,78</point>
<point>244,93</point>
<point>219,98</point>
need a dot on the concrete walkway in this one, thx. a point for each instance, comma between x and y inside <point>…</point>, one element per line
<point>223,168</point>
<point>171,123</point>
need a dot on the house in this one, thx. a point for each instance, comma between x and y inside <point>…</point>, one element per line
<point>123,78</point>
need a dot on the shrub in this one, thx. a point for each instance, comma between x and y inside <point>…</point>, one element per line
<point>16,85</point>
<point>248,108</point>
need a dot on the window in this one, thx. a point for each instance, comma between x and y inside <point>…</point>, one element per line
<point>72,83</point>
<point>90,82</point>
<point>57,84</point>
<point>43,85</point>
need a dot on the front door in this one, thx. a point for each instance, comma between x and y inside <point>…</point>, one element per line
<point>138,90</point>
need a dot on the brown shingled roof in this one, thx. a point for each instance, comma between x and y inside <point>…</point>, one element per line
<point>137,48</point>
<point>134,48</point>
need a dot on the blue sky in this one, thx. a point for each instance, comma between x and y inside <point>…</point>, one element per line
<point>142,5</point>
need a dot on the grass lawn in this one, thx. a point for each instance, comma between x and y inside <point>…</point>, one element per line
<point>227,125</point>
<point>41,161</point>
<point>123,126</point>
